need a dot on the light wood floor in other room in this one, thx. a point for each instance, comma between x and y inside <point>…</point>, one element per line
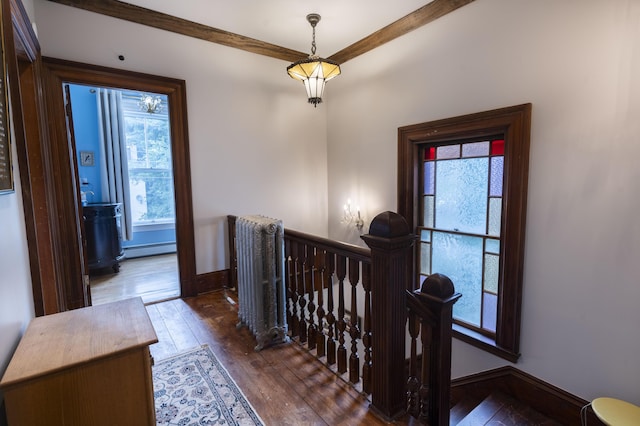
<point>153,278</point>
<point>284,383</point>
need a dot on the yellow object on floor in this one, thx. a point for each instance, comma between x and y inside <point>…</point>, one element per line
<point>615,412</point>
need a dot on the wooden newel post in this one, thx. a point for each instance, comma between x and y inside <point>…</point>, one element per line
<point>438,296</point>
<point>391,244</point>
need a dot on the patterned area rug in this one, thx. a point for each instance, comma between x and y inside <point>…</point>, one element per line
<point>193,388</point>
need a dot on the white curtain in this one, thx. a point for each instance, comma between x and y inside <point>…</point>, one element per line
<point>114,173</point>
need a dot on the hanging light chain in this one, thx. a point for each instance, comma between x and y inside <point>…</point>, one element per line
<point>313,40</point>
<point>313,19</point>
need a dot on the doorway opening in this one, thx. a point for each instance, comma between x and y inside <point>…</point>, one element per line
<point>123,148</point>
<point>73,276</point>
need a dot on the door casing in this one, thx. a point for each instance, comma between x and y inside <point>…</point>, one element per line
<point>69,251</point>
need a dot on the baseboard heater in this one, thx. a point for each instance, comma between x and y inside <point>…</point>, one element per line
<point>261,292</point>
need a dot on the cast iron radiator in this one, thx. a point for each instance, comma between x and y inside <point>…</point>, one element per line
<point>261,291</point>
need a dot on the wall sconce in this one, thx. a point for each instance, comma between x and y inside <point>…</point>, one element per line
<point>352,218</point>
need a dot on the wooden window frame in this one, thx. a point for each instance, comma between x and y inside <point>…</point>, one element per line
<point>515,124</point>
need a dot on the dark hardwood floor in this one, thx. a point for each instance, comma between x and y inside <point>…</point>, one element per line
<point>284,383</point>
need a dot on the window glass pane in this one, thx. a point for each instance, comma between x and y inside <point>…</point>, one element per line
<point>489,312</point>
<point>497,147</point>
<point>495,214</point>
<point>476,149</point>
<point>136,144</point>
<point>425,236</point>
<point>428,177</point>
<point>448,151</point>
<point>425,258</point>
<point>492,246</point>
<point>151,194</point>
<point>148,142</point>
<point>422,278</point>
<point>430,153</point>
<point>497,167</point>
<point>428,211</point>
<point>461,195</point>
<point>460,258</point>
<point>491,266</point>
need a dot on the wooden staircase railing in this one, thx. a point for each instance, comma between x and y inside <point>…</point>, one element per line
<point>349,306</point>
<point>329,296</point>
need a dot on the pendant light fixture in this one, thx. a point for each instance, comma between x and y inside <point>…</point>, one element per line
<point>314,71</point>
<point>150,103</point>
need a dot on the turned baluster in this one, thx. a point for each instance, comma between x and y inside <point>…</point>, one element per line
<point>331,319</point>
<point>310,291</point>
<point>413,383</point>
<point>292,249</point>
<point>354,329</point>
<point>318,285</point>
<point>366,336</point>
<point>302,300</point>
<point>341,272</point>
<point>291,301</point>
<point>425,374</point>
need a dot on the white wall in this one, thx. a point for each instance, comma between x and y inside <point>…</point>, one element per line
<point>16,299</point>
<point>578,63</point>
<point>251,151</point>
<point>16,302</point>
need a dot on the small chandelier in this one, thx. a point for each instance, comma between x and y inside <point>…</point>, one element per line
<point>149,103</point>
<point>314,71</point>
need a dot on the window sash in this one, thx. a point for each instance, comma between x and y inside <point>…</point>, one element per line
<point>470,206</point>
<point>514,123</point>
<point>145,163</point>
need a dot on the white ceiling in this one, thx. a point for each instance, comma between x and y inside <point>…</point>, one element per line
<point>283,22</point>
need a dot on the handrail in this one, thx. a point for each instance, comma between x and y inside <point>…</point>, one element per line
<point>351,251</point>
<point>344,249</point>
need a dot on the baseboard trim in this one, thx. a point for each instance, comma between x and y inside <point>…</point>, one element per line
<point>212,281</point>
<point>3,413</point>
<point>543,397</point>
<point>149,250</point>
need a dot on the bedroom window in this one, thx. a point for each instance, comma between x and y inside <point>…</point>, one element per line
<point>148,143</point>
<point>462,185</point>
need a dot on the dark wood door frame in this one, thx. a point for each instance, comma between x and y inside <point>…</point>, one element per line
<point>30,139</point>
<point>58,72</point>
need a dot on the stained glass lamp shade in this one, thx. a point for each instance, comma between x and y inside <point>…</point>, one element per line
<point>314,71</point>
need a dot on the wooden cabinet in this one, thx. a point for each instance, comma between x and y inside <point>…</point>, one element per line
<point>89,366</point>
<point>103,230</point>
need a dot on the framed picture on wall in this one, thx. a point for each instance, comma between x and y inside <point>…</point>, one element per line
<point>6,168</point>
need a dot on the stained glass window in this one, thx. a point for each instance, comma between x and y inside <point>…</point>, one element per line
<point>461,221</point>
<point>462,187</point>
